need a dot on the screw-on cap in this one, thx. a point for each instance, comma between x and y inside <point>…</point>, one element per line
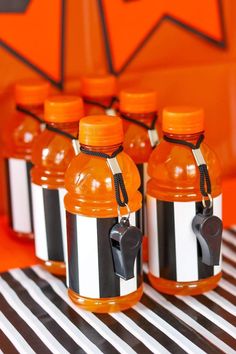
<point>99,86</point>
<point>138,101</point>
<point>62,109</point>
<point>182,120</point>
<point>31,91</point>
<point>101,131</point>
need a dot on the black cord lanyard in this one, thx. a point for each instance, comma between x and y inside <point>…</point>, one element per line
<point>141,124</point>
<point>41,121</point>
<point>101,105</point>
<point>117,174</point>
<point>153,136</point>
<point>205,182</point>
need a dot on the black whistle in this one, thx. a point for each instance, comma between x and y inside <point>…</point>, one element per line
<point>126,241</point>
<point>208,228</point>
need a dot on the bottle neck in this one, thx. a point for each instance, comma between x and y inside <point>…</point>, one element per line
<point>105,149</point>
<point>69,127</point>
<point>32,108</point>
<point>146,118</point>
<point>191,138</point>
<point>105,100</point>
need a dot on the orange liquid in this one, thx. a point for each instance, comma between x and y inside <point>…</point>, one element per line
<point>19,135</point>
<point>137,146</point>
<point>51,156</point>
<point>105,305</point>
<point>91,109</point>
<point>57,268</point>
<point>175,177</point>
<point>91,192</point>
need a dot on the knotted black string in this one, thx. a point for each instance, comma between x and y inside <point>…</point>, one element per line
<point>118,177</point>
<point>205,182</point>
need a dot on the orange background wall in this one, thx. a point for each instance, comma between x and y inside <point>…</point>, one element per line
<point>184,67</point>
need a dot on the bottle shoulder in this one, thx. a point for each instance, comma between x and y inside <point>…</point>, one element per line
<point>137,142</point>
<point>90,184</point>
<point>19,134</point>
<point>49,145</point>
<point>179,155</point>
<point>99,168</point>
<point>173,170</point>
<point>51,155</point>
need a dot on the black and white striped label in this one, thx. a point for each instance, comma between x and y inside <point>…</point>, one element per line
<point>174,252</point>
<point>90,261</point>
<point>49,223</point>
<point>19,194</point>
<point>142,168</point>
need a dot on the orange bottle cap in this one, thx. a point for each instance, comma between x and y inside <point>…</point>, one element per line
<point>183,120</point>
<point>31,92</point>
<point>101,131</point>
<point>62,109</point>
<point>138,101</point>
<point>99,86</point>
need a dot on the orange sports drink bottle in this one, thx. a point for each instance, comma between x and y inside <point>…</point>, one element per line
<point>184,207</point>
<point>52,153</point>
<point>138,109</point>
<point>99,94</point>
<point>20,133</point>
<point>104,257</point>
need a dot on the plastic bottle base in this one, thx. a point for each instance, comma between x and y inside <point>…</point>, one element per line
<point>57,268</point>
<point>184,288</point>
<point>105,305</point>
<point>23,236</point>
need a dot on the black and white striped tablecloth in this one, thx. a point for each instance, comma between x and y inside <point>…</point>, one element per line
<point>37,317</point>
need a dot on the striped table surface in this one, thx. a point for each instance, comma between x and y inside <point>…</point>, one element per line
<point>37,317</point>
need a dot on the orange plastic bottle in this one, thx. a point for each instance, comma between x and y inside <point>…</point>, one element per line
<point>51,156</point>
<point>173,200</point>
<point>140,106</point>
<point>19,134</point>
<point>92,211</point>
<point>98,89</point>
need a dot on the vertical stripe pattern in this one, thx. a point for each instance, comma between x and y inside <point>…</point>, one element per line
<point>204,271</point>
<point>8,191</point>
<point>166,239</point>
<point>142,168</point>
<point>183,227</point>
<point>62,193</point>
<point>153,240</point>
<point>172,240</point>
<point>217,207</point>
<point>49,223</point>
<point>90,261</point>
<point>109,284</point>
<point>19,195</point>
